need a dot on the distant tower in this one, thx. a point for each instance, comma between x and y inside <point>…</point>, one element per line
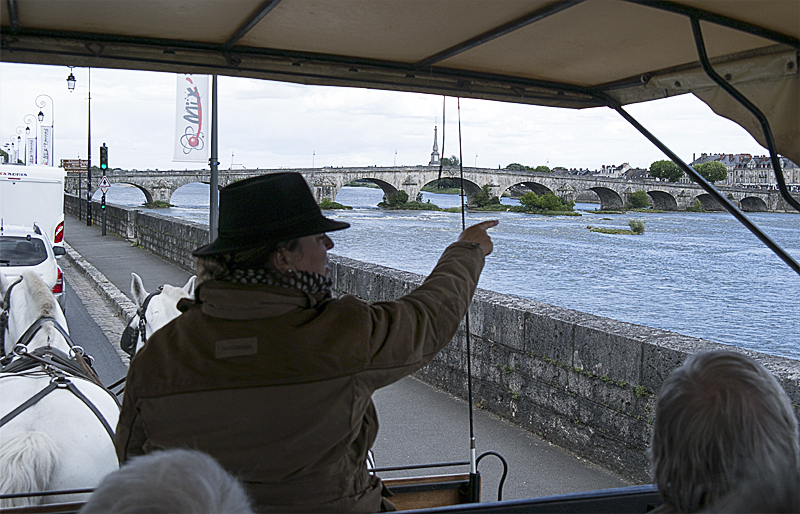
<point>435,153</point>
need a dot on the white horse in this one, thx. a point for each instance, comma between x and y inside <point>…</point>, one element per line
<point>154,310</point>
<point>56,431</point>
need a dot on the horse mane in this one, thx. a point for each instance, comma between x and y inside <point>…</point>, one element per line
<point>39,295</point>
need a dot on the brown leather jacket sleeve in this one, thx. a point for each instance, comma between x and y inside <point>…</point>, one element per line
<point>408,332</point>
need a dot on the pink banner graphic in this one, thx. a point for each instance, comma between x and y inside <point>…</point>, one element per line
<point>192,119</point>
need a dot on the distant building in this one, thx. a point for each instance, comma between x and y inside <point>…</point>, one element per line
<point>612,171</point>
<point>745,170</point>
<point>621,171</point>
<point>435,154</point>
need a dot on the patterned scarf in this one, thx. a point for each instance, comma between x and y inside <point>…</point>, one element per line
<point>308,282</point>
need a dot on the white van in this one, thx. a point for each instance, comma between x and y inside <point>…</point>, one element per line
<point>33,195</point>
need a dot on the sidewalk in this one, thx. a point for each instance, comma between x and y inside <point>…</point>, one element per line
<point>419,424</point>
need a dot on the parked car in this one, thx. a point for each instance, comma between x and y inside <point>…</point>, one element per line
<point>23,249</point>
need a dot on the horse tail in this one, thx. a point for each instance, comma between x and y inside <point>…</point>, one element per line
<point>28,461</point>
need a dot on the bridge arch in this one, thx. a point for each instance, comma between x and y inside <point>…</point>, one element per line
<point>753,204</point>
<point>536,187</point>
<point>387,188</point>
<point>610,200</point>
<point>470,187</point>
<point>709,203</point>
<point>148,196</point>
<point>663,201</point>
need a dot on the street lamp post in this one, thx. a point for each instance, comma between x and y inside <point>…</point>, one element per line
<point>19,132</point>
<point>71,86</point>
<point>48,141</point>
<point>14,140</point>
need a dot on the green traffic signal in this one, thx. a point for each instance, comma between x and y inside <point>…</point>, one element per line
<point>103,157</point>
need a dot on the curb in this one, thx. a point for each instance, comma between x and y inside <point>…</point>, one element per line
<point>114,299</point>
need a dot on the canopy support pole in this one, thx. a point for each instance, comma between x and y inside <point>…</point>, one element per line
<point>710,189</point>
<point>213,211</point>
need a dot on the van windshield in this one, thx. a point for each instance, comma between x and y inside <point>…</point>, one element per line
<point>19,251</point>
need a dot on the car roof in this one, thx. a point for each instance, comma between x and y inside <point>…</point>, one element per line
<point>21,231</point>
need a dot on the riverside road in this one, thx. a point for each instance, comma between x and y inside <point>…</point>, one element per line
<point>419,424</point>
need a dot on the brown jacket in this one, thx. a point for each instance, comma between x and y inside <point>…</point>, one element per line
<point>278,387</point>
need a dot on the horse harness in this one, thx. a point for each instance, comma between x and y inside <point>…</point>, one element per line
<point>52,361</point>
<point>4,317</point>
<point>131,334</point>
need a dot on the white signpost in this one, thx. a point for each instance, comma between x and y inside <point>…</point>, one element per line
<point>104,185</point>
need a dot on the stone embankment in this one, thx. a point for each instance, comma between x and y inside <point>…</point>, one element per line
<point>584,382</point>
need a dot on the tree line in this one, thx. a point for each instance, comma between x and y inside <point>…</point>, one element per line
<point>712,171</point>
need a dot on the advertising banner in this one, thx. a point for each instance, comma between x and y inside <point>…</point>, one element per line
<point>30,148</point>
<point>192,119</point>
<point>47,146</point>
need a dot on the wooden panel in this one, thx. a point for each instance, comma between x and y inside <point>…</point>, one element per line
<point>428,492</point>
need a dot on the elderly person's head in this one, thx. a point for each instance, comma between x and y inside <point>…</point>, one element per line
<point>269,224</point>
<point>168,482</point>
<point>717,415</point>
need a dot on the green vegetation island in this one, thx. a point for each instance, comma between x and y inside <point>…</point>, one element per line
<point>637,228</point>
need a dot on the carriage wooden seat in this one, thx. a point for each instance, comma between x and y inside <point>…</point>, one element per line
<point>638,499</point>
<point>51,508</point>
<point>429,491</point>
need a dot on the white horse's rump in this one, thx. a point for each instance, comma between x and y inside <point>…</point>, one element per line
<point>154,310</point>
<point>58,442</point>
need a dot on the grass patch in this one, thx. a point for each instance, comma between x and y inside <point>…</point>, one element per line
<point>158,204</point>
<point>637,228</point>
<point>414,206</point>
<point>356,183</point>
<point>328,204</point>
<point>443,191</point>
<point>697,207</point>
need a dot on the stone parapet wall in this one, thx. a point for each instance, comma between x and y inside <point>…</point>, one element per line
<point>583,382</point>
<point>170,238</point>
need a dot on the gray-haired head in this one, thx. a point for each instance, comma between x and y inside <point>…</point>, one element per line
<point>718,414</point>
<point>169,481</point>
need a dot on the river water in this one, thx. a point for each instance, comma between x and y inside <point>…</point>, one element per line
<point>698,274</point>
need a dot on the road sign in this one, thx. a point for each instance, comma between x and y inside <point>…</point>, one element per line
<point>104,184</point>
<point>73,165</point>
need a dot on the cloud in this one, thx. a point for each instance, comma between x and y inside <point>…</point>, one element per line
<point>271,124</point>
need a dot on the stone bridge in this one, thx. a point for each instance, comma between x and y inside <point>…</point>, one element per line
<point>326,183</point>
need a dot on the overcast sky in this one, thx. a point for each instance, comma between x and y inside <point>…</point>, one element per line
<point>272,124</point>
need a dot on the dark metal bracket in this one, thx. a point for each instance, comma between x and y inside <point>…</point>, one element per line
<point>747,104</point>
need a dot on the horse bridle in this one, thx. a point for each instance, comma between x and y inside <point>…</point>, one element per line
<point>4,317</point>
<point>21,346</point>
<point>131,335</point>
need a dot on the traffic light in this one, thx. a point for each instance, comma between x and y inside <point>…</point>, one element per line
<point>104,157</point>
<point>103,202</point>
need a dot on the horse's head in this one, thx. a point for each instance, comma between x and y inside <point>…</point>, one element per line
<point>24,303</point>
<point>159,307</point>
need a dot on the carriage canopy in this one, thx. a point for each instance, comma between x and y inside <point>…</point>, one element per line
<point>563,53</point>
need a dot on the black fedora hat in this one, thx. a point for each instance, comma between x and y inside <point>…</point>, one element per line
<point>269,208</point>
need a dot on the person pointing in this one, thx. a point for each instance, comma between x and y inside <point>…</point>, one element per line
<point>271,375</point>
